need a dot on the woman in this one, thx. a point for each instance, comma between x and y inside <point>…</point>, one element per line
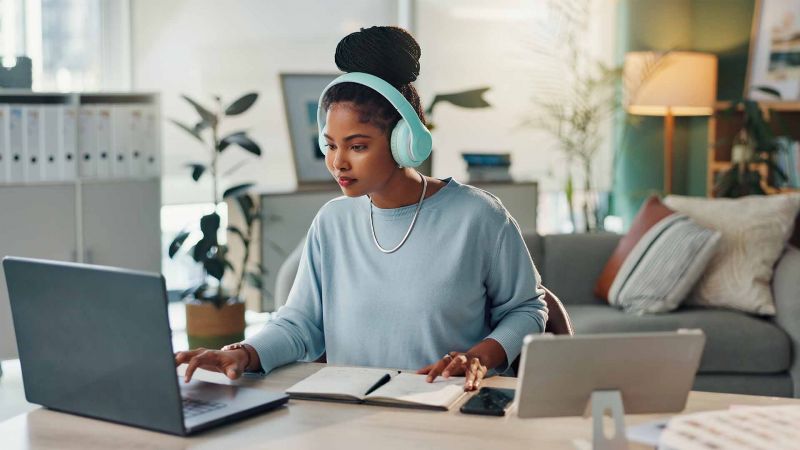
<point>403,268</point>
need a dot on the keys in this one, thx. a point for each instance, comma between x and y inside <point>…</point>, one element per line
<point>193,407</point>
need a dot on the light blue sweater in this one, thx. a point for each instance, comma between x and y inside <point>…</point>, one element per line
<point>463,275</point>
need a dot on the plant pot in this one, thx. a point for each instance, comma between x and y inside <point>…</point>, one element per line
<point>210,327</point>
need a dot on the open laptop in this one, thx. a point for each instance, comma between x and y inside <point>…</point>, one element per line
<point>95,341</point>
<point>653,371</point>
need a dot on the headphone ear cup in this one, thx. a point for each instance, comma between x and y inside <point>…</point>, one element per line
<point>323,144</point>
<point>401,145</point>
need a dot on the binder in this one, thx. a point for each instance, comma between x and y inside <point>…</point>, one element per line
<point>104,153</point>
<point>87,143</point>
<point>16,146</point>
<point>152,143</point>
<point>68,157</point>
<point>121,140</point>
<point>3,143</point>
<point>51,142</point>
<point>137,141</point>
<point>32,143</point>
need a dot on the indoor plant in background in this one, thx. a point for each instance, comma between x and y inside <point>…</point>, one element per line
<point>754,146</point>
<point>214,313</point>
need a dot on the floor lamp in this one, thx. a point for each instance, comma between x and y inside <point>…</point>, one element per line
<point>670,84</point>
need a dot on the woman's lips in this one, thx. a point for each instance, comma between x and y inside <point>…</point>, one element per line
<point>345,182</point>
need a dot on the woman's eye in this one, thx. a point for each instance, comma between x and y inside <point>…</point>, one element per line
<point>330,146</point>
<point>359,147</point>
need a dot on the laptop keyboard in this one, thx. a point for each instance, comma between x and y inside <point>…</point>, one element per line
<point>193,407</point>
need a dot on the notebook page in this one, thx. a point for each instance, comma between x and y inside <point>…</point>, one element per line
<point>412,389</point>
<point>339,382</point>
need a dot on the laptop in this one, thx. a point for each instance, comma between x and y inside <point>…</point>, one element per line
<point>654,371</point>
<point>95,341</point>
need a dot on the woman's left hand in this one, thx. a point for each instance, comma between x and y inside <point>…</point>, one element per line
<point>458,364</point>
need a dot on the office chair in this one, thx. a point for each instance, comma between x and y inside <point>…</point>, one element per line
<point>558,321</point>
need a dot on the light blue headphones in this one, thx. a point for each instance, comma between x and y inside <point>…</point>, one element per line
<point>410,140</point>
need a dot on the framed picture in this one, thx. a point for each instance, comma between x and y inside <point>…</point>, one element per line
<point>775,49</point>
<point>300,97</point>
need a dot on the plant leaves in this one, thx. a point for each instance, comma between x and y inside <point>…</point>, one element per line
<point>191,130</point>
<point>254,280</point>
<point>195,291</point>
<point>215,267</point>
<point>237,190</point>
<point>177,242</point>
<point>241,105</point>
<point>197,170</point>
<point>247,207</point>
<point>209,224</point>
<point>226,141</point>
<point>239,233</point>
<point>208,117</point>
<point>768,90</point>
<point>242,140</point>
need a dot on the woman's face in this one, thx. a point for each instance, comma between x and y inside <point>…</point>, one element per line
<point>358,155</point>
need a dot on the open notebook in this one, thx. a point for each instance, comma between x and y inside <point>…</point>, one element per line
<point>379,387</point>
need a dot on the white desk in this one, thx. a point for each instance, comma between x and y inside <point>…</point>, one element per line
<point>327,425</point>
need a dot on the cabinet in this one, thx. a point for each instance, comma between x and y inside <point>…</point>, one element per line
<point>784,118</point>
<point>286,218</point>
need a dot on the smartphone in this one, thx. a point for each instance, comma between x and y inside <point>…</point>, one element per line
<point>489,402</point>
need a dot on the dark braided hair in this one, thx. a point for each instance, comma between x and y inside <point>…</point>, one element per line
<point>390,53</point>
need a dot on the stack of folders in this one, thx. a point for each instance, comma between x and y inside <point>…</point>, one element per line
<point>41,143</point>
<point>488,166</point>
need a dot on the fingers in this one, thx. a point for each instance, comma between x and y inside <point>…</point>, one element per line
<point>475,373</point>
<point>456,366</point>
<point>185,356</point>
<point>437,368</point>
<point>206,359</point>
<point>425,369</point>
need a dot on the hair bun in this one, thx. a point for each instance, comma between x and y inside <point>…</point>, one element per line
<point>390,53</point>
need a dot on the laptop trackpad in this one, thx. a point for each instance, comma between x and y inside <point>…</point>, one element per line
<point>206,402</point>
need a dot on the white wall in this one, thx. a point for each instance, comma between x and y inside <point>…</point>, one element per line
<point>204,47</point>
<point>200,47</point>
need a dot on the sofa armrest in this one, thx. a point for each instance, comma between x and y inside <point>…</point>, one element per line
<point>786,291</point>
<point>573,262</point>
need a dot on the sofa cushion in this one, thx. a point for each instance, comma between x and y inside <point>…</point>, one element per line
<point>572,263</point>
<point>651,213</point>
<point>735,342</point>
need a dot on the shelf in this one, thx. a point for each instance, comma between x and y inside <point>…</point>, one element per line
<point>766,104</point>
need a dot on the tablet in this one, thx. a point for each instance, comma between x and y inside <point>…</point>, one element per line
<point>654,372</point>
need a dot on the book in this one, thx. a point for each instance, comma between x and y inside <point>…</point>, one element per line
<point>487,159</point>
<point>379,387</point>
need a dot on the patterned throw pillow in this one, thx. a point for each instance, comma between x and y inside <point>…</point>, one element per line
<point>754,233</point>
<point>663,266</point>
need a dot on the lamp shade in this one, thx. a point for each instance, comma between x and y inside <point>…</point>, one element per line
<point>683,83</point>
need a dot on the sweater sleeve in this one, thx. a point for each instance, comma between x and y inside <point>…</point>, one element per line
<point>296,330</point>
<point>516,299</point>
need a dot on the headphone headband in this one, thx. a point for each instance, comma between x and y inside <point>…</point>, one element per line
<point>411,150</point>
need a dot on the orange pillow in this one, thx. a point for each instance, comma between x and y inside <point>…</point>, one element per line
<point>651,212</point>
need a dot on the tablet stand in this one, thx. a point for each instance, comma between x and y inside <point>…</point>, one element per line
<point>611,401</point>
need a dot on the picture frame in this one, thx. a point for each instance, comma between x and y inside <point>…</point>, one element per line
<point>301,93</point>
<point>774,58</point>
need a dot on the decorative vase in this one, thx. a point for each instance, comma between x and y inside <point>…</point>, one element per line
<point>210,327</point>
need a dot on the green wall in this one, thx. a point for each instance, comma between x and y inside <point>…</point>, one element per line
<point>721,27</point>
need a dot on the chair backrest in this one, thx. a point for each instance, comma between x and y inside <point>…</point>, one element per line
<point>558,321</point>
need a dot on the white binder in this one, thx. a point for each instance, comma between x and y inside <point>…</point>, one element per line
<point>3,143</point>
<point>138,141</point>
<point>68,158</point>
<point>32,143</point>
<point>87,142</point>
<point>16,144</point>
<point>51,142</point>
<point>121,140</point>
<point>152,143</point>
<point>104,150</point>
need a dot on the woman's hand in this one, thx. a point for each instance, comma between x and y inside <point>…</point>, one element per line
<point>230,362</point>
<point>457,364</point>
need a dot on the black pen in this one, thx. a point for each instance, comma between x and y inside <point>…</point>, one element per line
<point>385,379</point>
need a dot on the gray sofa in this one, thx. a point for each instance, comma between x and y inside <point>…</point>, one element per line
<point>743,354</point>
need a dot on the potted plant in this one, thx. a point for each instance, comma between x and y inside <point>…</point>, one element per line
<point>754,147</point>
<point>214,313</point>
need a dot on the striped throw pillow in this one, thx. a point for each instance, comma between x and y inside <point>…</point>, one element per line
<point>663,267</point>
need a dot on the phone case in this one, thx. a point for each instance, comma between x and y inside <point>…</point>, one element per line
<point>489,402</point>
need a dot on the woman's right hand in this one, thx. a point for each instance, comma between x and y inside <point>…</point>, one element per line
<point>230,362</point>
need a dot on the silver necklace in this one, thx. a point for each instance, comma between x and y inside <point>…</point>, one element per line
<point>413,220</point>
